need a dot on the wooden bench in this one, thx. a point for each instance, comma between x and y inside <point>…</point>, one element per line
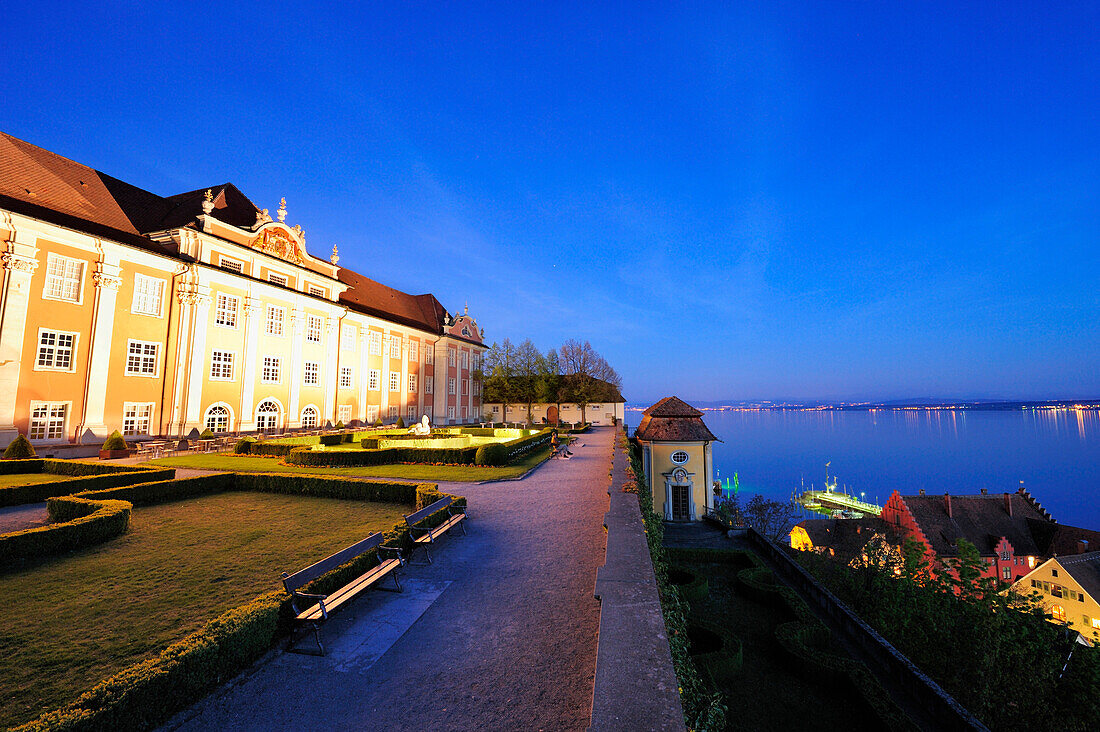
<point>424,535</point>
<point>319,606</point>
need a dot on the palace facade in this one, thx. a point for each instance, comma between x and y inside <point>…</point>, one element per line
<point>122,309</point>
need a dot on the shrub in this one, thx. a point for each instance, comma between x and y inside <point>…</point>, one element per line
<point>340,425</point>
<point>207,434</point>
<point>115,442</point>
<point>331,439</point>
<point>92,476</point>
<point>386,456</point>
<point>19,449</point>
<point>243,446</point>
<point>164,491</point>
<point>377,421</point>
<point>272,449</point>
<point>369,443</point>
<point>400,423</point>
<point>347,437</point>
<point>495,454</point>
<point>77,523</point>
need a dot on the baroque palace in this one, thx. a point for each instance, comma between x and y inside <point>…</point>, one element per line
<point>121,309</point>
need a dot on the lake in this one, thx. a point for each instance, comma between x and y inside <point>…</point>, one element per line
<point>1056,453</point>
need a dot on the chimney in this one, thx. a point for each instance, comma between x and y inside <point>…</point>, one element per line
<point>947,504</point>
<point>1082,546</point>
<point>1008,503</point>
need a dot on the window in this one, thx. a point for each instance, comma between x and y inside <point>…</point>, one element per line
<point>230,264</point>
<point>141,358</point>
<point>466,359</point>
<point>450,386</point>
<point>477,361</point>
<point>477,388</point>
<point>412,412</point>
<point>465,387</point>
<point>225,312</point>
<point>451,413</point>
<point>679,457</point>
<point>347,338</point>
<point>316,291</point>
<point>343,413</point>
<point>217,418</point>
<point>375,344</point>
<point>55,350</point>
<point>277,279</point>
<point>271,369</point>
<point>1096,622</point>
<point>311,373</point>
<point>464,414</point>
<point>1006,574</point>
<point>392,412</point>
<point>372,413</point>
<point>1058,612</point>
<point>345,377</point>
<point>63,277</point>
<point>372,379</point>
<point>48,420</point>
<point>429,386</point>
<point>276,317</point>
<point>412,383</point>
<point>221,365</point>
<point>429,356</point>
<point>395,381</point>
<point>414,351</point>
<point>1005,554</point>
<point>136,418</point>
<point>309,417</point>
<point>451,357</point>
<point>267,413</point>
<point>1054,573</point>
<point>148,295</point>
<point>313,329</point>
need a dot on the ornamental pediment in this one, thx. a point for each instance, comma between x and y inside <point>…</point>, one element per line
<point>279,242</point>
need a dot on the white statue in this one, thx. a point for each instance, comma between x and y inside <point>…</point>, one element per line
<point>422,427</point>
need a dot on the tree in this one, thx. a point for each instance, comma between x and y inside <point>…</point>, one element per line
<point>550,382</point>
<point>771,518</point>
<point>499,366</point>
<point>588,377</point>
<point>529,367</point>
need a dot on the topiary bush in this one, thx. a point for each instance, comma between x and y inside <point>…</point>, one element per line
<point>243,446</point>
<point>400,423</point>
<point>378,422</point>
<point>340,425</point>
<point>207,434</point>
<point>115,442</point>
<point>19,449</point>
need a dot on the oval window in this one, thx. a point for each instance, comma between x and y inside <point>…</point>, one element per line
<point>679,457</point>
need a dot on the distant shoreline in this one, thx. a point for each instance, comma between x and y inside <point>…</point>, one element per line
<point>970,406</point>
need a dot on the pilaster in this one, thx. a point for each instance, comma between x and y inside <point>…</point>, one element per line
<point>332,359</point>
<point>298,320</point>
<point>253,314</point>
<point>196,357</point>
<point>364,371</point>
<point>19,263</point>
<point>107,281</point>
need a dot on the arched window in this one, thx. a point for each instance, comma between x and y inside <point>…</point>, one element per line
<point>267,415</point>
<point>217,418</point>
<point>309,417</point>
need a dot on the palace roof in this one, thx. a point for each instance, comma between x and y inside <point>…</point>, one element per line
<point>41,184</point>
<point>848,537</point>
<point>673,420</point>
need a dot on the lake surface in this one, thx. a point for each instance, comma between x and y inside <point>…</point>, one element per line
<point>1056,453</point>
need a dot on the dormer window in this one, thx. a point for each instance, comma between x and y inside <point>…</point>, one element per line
<point>230,264</point>
<point>277,279</point>
<point>316,291</point>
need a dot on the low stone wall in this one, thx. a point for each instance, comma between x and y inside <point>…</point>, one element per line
<point>940,706</point>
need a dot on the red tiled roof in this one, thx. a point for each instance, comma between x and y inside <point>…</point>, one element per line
<point>374,298</point>
<point>982,520</point>
<point>673,420</point>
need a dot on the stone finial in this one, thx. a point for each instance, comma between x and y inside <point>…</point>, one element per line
<point>282,210</point>
<point>466,310</point>
<point>208,201</point>
<point>262,217</point>
<point>335,255</point>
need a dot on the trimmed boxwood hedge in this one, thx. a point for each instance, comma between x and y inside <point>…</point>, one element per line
<point>92,476</point>
<point>78,523</point>
<point>387,456</point>
<point>146,694</point>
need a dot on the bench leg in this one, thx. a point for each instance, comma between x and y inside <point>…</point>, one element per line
<point>316,637</point>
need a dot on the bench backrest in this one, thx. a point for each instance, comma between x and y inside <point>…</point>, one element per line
<point>315,570</point>
<point>418,516</point>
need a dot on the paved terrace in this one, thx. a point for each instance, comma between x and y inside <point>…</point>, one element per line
<point>500,632</point>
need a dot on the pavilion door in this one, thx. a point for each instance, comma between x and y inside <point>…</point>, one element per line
<point>552,414</point>
<point>681,511</point>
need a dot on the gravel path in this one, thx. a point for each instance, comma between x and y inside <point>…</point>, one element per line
<point>499,633</point>
<point>27,516</point>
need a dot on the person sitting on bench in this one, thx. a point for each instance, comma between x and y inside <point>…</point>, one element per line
<point>557,448</point>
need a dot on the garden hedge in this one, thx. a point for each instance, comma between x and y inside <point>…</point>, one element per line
<point>78,523</point>
<point>146,694</point>
<point>91,477</point>
<point>386,456</point>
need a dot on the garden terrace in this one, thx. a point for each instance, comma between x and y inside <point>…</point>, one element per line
<point>197,569</point>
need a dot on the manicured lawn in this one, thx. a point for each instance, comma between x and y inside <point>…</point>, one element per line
<point>74,620</point>
<point>250,464</point>
<point>10,481</point>
<point>768,674</point>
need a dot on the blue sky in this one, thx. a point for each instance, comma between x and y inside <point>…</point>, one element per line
<point>780,200</point>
